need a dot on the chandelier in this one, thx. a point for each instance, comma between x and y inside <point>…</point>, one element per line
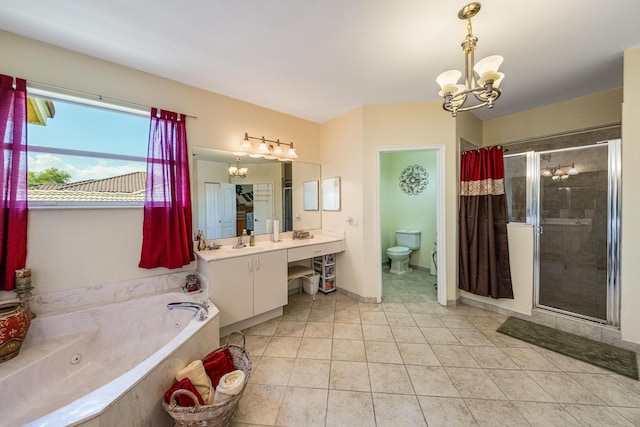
<point>267,148</point>
<point>485,89</point>
<point>236,171</point>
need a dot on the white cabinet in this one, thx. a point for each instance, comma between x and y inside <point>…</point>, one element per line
<point>245,286</point>
<point>269,281</point>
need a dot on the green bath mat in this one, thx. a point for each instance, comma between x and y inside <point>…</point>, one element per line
<point>603,355</point>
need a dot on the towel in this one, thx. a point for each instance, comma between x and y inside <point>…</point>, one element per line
<point>183,399</point>
<point>230,385</point>
<point>218,363</point>
<point>199,378</point>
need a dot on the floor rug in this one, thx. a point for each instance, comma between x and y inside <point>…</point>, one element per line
<point>596,353</point>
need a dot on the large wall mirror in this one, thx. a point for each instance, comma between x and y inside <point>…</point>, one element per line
<point>223,206</point>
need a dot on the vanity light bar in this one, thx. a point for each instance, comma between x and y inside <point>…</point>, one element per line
<point>268,149</point>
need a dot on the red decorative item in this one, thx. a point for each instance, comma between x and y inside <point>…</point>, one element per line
<point>15,320</point>
<point>218,363</point>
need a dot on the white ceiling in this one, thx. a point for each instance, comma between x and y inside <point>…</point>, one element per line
<point>317,59</point>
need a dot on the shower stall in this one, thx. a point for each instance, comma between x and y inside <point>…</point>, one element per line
<point>571,197</point>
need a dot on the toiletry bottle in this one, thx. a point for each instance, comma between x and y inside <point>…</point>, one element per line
<point>244,235</point>
<point>202,245</point>
<point>252,238</point>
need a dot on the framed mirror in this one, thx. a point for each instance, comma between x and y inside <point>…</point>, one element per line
<point>223,206</point>
<point>331,194</point>
<point>310,195</point>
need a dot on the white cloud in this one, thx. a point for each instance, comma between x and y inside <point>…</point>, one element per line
<point>97,169</point>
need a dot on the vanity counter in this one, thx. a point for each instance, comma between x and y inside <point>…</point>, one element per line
<point>250,285</point>
<point>227,251</point>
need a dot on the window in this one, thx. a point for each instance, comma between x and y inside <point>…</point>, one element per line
<point>515,186</point>
<point>85,155</point>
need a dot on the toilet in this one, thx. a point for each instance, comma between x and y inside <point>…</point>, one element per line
<point>406,241</point>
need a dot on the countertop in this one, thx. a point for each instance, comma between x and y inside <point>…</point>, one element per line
<point>227,251</point>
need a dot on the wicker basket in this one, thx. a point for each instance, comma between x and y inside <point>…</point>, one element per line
<point>218,414</point>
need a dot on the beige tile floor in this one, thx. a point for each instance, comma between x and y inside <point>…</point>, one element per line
<point>412,362</point>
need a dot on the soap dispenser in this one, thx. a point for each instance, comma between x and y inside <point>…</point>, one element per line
<point>244,235</point>
<point>252,238</point>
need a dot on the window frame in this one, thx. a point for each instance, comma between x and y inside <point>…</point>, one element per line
<point>36,91</point>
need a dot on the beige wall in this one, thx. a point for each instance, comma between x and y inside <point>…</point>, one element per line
<point>77,248</point>
<point>590,111</point>
<point>413,126</point>
<point>630,268</point>
<point>342,142</point>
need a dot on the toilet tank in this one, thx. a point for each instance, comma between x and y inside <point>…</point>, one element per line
<point>408,238</point>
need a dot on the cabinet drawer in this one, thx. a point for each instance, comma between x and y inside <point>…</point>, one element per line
<point>306,252</point>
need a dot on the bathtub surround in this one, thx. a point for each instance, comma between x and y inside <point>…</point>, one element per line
<point>61,376</point>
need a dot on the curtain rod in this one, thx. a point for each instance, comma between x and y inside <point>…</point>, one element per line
<point>93,95</point>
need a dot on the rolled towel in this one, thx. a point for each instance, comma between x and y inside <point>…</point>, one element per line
<point>218,363</point>
<point>183,399</point>
<point>230,384</point>
<point>199,378</point>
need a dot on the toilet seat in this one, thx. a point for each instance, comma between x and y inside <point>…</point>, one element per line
<point>399,250</point>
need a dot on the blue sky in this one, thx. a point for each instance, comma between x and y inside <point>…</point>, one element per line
<point>89,129</point>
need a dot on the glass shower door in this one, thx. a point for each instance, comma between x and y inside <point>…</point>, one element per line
<point>574,233</point>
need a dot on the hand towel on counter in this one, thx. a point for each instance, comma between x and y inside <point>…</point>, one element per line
<point>230,384</point>
<point>183,399</point>
<point>199,378</point>
<point>217,364</point>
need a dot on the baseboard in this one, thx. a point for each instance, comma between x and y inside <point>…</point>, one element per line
<point>353,295</point>
<point>252,321</point>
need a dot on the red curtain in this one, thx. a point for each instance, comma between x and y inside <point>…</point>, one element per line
<point>167,239</point>
<point>484,249</point>
<point>13,180</point>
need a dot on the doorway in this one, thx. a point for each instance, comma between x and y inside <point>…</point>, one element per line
<point>426,270</point>
<point>576,218</point>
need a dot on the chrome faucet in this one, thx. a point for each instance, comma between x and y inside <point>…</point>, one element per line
<point>240,243</point>
<point>199,309</point>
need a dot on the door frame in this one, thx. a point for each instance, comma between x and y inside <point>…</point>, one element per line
<point>441,264</point>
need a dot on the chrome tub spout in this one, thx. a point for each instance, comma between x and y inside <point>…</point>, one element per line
<point>199,309</point>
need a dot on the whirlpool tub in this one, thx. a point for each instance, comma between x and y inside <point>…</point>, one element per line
<point>106,365</point>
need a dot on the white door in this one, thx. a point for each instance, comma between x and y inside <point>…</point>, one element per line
<point>228,197</point>
<point>220,211</point>
<point>262,206</point>
<point>213,220</point>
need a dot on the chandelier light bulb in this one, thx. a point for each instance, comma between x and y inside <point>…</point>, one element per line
<point>487,68</point>
<point>572,170</point>
<point>448,82</point>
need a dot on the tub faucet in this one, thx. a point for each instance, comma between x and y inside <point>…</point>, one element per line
<point>199,309</point>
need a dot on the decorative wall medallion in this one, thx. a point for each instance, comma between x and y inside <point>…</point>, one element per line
<point>413,180</point>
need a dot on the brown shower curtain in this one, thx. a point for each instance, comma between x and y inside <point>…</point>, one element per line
<point>484,250</point>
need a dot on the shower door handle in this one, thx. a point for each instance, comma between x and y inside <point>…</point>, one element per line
<point>539,230</point>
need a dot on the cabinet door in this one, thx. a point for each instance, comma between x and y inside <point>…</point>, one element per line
<point>231,283</point>
<point>269,281</point>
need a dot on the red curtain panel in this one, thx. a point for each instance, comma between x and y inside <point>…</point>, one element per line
<point>484,249</point>
<point>167,239</point>
<point>13,180</point>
